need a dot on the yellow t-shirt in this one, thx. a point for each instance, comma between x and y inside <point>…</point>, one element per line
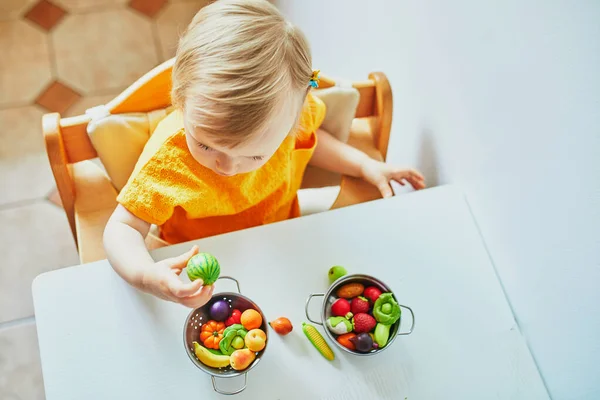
<point>188,201</point>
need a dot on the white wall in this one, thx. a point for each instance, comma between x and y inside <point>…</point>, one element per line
<point>502,99</point>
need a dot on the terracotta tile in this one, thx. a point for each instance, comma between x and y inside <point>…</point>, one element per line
<point>88,102</point>
<point>57,97</point>
<point>20,369</point>
<point>24,166</point>
<point>77,6</point>
<point>103,51</point>
<point>147,7</point>
<point>13,9</point>
<point>45,14</point>
<point>172,22</point>
<point>25,63</point>
<point>33,239</point>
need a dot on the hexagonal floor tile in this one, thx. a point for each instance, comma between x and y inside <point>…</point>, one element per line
<point>33,239</point>
<point>24,166</point>
<point>12,9</point>
<point>20,369</point>
<point>76,6</point>
<point>25,67</point>
<point>172,22</point>
<point>103,51</point>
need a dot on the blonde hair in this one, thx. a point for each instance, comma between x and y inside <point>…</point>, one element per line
<point>233,63</point>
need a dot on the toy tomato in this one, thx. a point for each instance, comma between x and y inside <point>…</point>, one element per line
<point>236,316</point>
<point>211,334</point>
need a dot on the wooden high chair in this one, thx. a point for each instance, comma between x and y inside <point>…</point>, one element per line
<point>89,197</point>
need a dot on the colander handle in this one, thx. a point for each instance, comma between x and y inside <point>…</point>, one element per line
<point>216,389</point>
<point>412,325</point>
<point>306,307</point>
<point>232,279</point>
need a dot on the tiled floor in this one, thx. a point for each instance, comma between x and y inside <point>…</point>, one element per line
<point>61,56</point>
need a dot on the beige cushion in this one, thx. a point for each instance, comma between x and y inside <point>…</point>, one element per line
<point>341,103</point>
<point>119,140</point>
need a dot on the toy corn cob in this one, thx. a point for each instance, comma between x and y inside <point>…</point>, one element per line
<point>318,341</point>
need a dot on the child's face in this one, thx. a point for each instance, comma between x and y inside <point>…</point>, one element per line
<point>252,154</point>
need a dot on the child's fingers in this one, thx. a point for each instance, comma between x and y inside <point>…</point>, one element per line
<point>181,289</point>
<point>179,262</point>
<point>385,188</point>
<point>198,299</point>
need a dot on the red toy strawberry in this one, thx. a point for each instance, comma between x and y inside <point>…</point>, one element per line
<point>236,316</point>
<point>359,305</point>
<point>372,293</point>
<point>341,308</point>
<point>363,323</point>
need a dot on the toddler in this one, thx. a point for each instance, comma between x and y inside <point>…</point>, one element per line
<point>233,153</point>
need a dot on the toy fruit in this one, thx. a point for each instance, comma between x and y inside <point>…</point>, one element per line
<point>341,308</point>
<point>386,311</point>
<point>318,341</point>
<point>256,340</point>
<point>282,326</point>
<point>359,305</point>
<point>235,318</point>
<point>219,311</point>
<point>229,335</point>
<point>339,325</point>
<point>350,290</point>
<point>238,343</point>
<point>251,319</point>
<point>363,323</point>
<point>203,266</point>
<point>210,359</point>
<point>372,293</point>
<point>241,359</point>
<point>382,334</point>
<point>335,273</point>
<point>211,334</point>
<point>345,341</point>
<point>362,342</point>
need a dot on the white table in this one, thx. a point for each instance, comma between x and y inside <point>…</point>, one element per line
<point>101,339</point>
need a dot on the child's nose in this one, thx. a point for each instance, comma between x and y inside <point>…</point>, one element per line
<point>226,165</point>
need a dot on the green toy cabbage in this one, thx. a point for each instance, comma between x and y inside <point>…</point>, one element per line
<point>386,311</point>
<point>230,333</point>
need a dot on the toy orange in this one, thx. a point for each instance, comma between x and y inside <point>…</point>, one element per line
<point>251,319</point>
<point>211,334</point>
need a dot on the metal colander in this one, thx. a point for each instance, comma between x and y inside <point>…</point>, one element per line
<point>199,316</point>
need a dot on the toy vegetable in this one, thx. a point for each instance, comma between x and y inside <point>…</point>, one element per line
<point>339,325</point>
<point>318,341</point>
<point>229,335</point>
<point>382,334</point>
<point>386,311</point>
<point>211,334</point>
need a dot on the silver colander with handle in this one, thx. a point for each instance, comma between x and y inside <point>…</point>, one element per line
<point>200,316</point>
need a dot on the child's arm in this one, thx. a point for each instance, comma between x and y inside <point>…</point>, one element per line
<point>336,156</point>
<point>127,253</point>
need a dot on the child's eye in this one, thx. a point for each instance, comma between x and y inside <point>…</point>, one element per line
<point>258,158</point>
<point>204,147</point>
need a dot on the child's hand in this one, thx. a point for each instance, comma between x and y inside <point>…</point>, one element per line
<point>380,174</point>
<point>162,280</point>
